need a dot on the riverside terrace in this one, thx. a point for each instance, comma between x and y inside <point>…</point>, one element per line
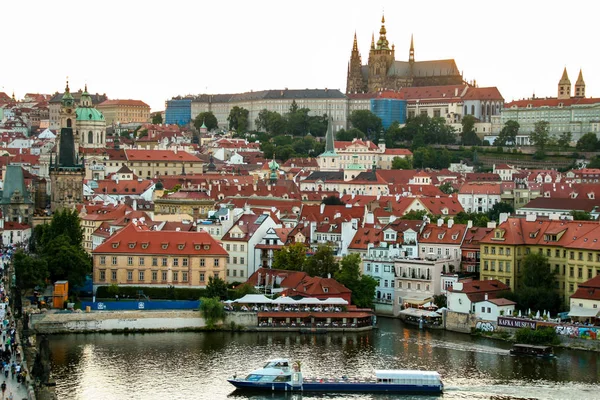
<point>304,315</point>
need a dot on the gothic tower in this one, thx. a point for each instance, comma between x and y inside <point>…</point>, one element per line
<point>580,85</point>
<point>411,52</point>
<point>66,172</point>
<point>564,86</point>
<point>381,58</point>
<point>355,82</point>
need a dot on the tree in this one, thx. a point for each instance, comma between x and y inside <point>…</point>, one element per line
<point>468,135</point>
<point>322,263</point>
<point>581,215</point>
<point>362,286</point>
<point>415,215</point>
<point>30,271</point>
<point>498,208</point>
<point>540,135</point>
<point>564,140</point>
<point>208,119</point>
<point>478,219</point>
<point>271,121</point>
<point>66,261</point>
<point>157,118</point>
<point>216,288</point>
<point>508,134</point>
<point>366,122</point>
<point>212,311</point>
<point>537,272</point>
<point>402,163</point>
<point>244,289</point>
<point>333,201</point>
<point>587,142</point>
<point>291,257</point>
<point>426,130</point>
<point>238,119</point>
<point>447,188</point>
<point>349,135</point>
<point>297,121</point>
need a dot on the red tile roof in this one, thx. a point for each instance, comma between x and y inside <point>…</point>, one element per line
<point>136,240</point>
<point>588,290</point>
<point>160,155</point>
<point>552,102</point>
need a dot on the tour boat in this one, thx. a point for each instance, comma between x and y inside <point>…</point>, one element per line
<point>279,375</point>
<point>531,350</point>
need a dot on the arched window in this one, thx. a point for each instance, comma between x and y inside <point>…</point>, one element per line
<point>68,122</point>
<point>466,110</point>
<point>90,137</point>
<point>473,109</point>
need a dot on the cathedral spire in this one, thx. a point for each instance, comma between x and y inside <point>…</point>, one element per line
<point>411,52</point>
<point>355,44</point>
<point>329,144</point>
<point>382,43</point>
<point>373,41</point>
<point>580,85</point>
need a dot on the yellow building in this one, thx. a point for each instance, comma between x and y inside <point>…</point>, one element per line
<point>138,256</point>
<point>153,163</point>
<point>124,111</point>
<point>570,246</point>
<point>192,202</point>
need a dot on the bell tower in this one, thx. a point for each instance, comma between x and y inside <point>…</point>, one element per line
<point>355,82</point>
<point>580,85</point>
<point>564,86</point>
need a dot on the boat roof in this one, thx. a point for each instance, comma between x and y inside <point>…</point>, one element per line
<point>532,346</point>
<point>405,373</point>
<point>276,360</point>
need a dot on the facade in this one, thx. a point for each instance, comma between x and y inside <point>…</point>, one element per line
<point>389,110</point>
<point>90,130</point>
<point>479,298</point>
<point>383,71</point>
<point>55,105</point>
<point>565,113</point>
<point>443,242</point>
<point>178,111</point>
<point>124,111</point>
<point>66,171</point>
<point>15,234</point>
<point>138,256</point>
<point>155,163</point>
<point>479,197</point>
<point>16,202</point>
<point>587,296</point>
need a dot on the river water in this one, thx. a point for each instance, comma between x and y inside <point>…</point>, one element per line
<point>191,365</point>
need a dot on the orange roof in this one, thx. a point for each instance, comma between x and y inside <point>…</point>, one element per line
<point>480,188</point>
<point>134,239</point>
<point>551,102</point>
<point>120,102</point>
<point>160,155</point>
<point>442,234</point>
<point>487,286</point>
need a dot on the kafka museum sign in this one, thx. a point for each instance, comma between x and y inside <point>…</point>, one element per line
<point>516,323</point>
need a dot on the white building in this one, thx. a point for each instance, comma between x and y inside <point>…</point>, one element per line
<point>479,197</point>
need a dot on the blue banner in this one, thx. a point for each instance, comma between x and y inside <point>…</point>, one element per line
<point>141,305</point>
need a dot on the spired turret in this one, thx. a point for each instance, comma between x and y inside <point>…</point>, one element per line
<point>564,86</point>
<point>580,85</point>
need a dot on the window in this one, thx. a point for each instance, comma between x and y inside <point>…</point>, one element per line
<point>164,262</point>
<point>508,251</point>
<point>242,260</point>
<point>571,255</point>
<point>201,276</point>
<point>102,260</point>
<point>164,276</point>
<point>493,250</point>
<point>216,263</point>
<point>154,276</point>
<point>102,275</point>
<point>202,262</point>
<point>216,275</point>
<point>482,309</point>
<point>114,261</point>
<point>141,261</point>
<point>508,266</point>
<point>113,274</point>
<point>141,276</point>
<point>489,310</point>
<point>227,247</point>
<point>571,272</point>
<point>129,275</point>
<point>580,272</point>
<point>376,269</point>
<point>501,251</point>
<point>508,282</point>
<point>235,247</point>
<point>500,266</point>
<point>130,260</point>
<point>580,256</point>
<point>234,260</point>
<point>184,262</point>
<point>557,253</point>
<point>571,287</point>
<point>184,276</point>
<point>485,265</point>
<point>368,268</point>
<point>154,262</point>
<point>242,247</point>
<point>242,273</point>
<point>176,262</point>
<point>175,276</point>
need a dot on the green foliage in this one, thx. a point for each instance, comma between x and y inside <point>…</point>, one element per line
<point>238,119</point>
<point>113,289</point>
<point>209,120</point>
<point>440,300</point>
<point>164,293</point>
<point>243,290</point>
<point>362,286</point>
<point>402,163</point>
<point>581,215</point>
<point>349,135</point>
<point>291,257</point>
<point>508,134</point>
<point>543,336</point>
<point>216,287</point>
<point>366,122</point>
<point>212,311</point>
<point>564,140</point>
<point>478,219</point>
<point>420,131</point>
<point>537,272</point>
<point>272,122</point>
<point>594,162</point>
<point>333,200</point>
<point>157,118</point>
<point>415,215</point>
<point>30,271</point>
<point>540,137</point>
<point>428,157</point>
<point>498,208</point>
<point>322,263</point>
<point>447,188</point>
<point>587,142</point>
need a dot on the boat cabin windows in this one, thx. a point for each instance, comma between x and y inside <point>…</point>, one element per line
<point>268,378</point>
<point>277,364</point>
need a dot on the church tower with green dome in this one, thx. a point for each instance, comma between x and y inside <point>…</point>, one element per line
<point>91,124</point>
<point>66,170</point>
<point>329,160</point>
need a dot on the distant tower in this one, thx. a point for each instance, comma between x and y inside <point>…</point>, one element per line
<point>329,160</point>
<point>274,167</point>
<point>411,52</point>
<point>381,58</point>
<point>67,172</point>
<point>355,82</point>
<point>580,85</point>
<point>564,86</point>
<point>91,125</point>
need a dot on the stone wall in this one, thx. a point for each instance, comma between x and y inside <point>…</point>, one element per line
<point>115,321</point>
<point>459,322</point>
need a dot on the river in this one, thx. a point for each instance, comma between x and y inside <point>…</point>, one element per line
<point>192,365</point>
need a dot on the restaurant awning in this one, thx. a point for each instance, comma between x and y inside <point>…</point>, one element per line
<point>415,298</point>
<point>254,299</point>
<point>417,312</point>
<point>577,311</point>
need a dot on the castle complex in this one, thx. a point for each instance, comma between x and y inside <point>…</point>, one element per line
<point>384,72</point>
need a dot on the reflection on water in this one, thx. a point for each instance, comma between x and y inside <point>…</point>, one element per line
<point>195,365</point>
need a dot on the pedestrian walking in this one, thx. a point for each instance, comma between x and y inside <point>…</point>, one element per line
<point>3,387</point>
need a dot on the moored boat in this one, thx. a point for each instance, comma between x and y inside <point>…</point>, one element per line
<point>279,375</point>
<point>531,350</point>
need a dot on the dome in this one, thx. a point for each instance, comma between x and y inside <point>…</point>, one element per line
<point>273,165</point>
<point>159,186</point>
<point>88,114</point>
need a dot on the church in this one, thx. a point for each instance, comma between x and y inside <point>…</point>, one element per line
<point>384,72</point>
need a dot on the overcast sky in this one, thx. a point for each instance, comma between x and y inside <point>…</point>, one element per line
<point>153,50</point>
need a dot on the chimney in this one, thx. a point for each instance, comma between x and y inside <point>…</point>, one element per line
<point>469,224</point>
<point>486,297</point>
<point>440,222</point>
<point>134,205</point>
<point>503,218</point>
<point>450,223</point>
<point>491,224</point>
<point>322,207</point>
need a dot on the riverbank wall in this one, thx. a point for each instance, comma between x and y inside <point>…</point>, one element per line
<point>130,321</point>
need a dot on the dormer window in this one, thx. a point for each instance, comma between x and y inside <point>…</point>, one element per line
<point>144,245</point>
<point>197,247</point>
<point>441,235</point>
<point>181,246</point>
<point>115,245</point>
<point>206,247</point>
<point>165,246</point>
<point>132,245</point>
<point>455,236</point>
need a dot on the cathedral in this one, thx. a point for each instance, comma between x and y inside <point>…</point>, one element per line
<point>384,72</point>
